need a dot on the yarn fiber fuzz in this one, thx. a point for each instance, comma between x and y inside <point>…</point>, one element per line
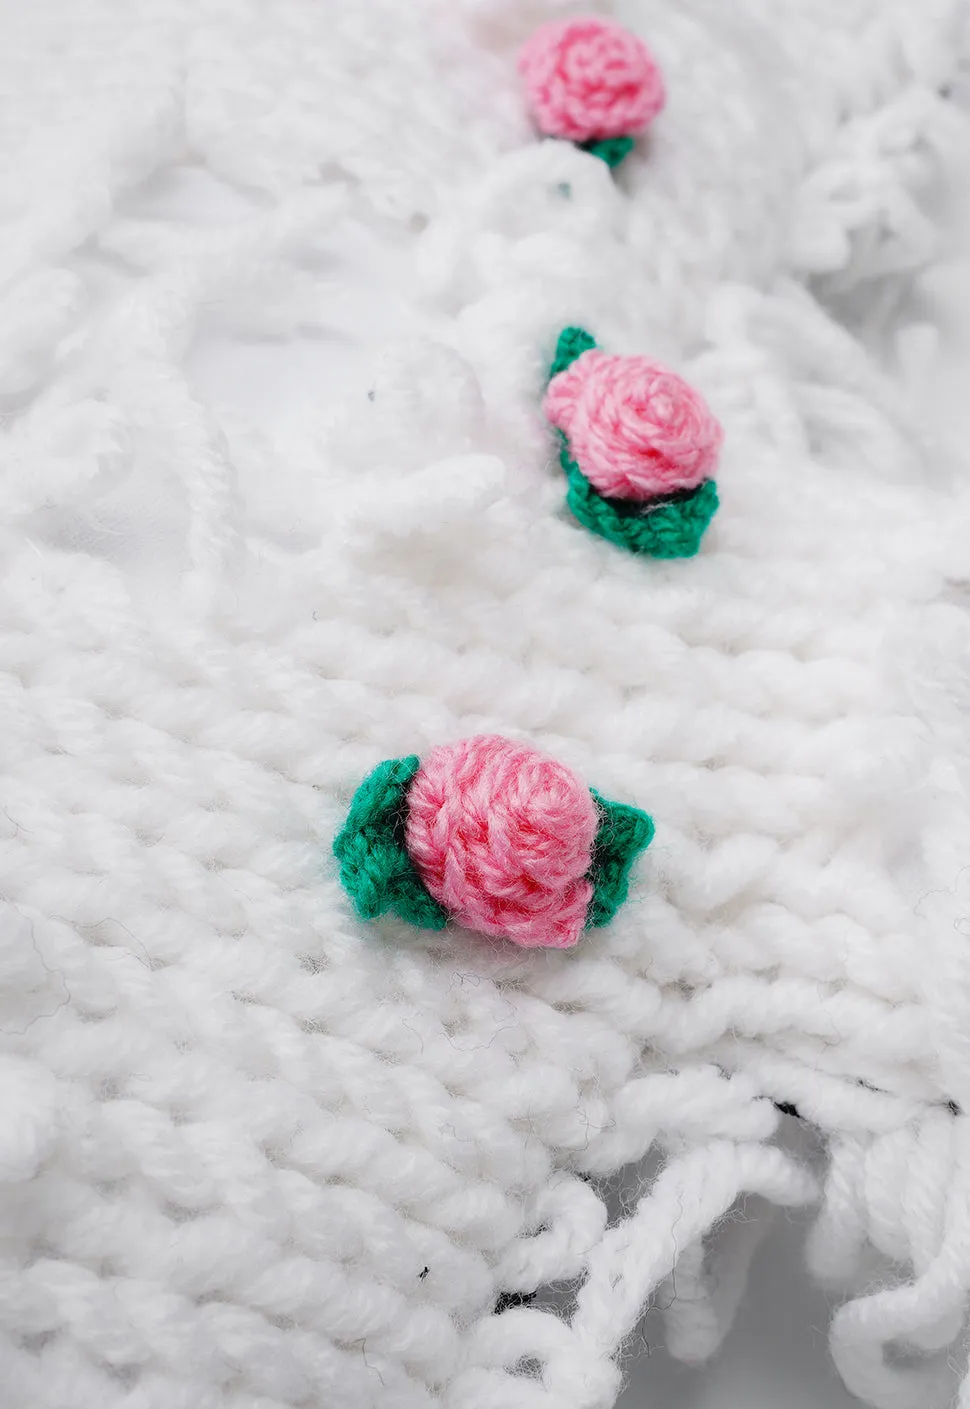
<point>588,79</point>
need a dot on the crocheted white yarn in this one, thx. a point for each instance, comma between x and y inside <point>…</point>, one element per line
<point>253,1153</point>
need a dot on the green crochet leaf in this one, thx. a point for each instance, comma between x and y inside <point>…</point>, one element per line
<point>573,342</point>
<point>375,869</point>
<point>622,834</point>
<point>612,150</point>
<point>671,527</point>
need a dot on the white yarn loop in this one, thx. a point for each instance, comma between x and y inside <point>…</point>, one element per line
<point>690,1195</point>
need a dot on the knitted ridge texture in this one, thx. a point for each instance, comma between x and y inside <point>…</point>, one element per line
<point>279,286</point>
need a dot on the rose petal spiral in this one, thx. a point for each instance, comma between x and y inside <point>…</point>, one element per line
<point>589,79</point>
<point>635,428</point>
<point>502,837</point>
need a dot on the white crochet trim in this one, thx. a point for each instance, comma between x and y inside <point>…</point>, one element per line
<point>253,1153</point>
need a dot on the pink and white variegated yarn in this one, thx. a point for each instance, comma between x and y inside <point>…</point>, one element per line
<point>254,1153</point>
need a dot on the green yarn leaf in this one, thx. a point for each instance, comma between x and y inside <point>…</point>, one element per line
<point>622,834</point>
<point>612,150</point>
<point>573,342</point>
<point>375,869</point>
<point>671,527</point>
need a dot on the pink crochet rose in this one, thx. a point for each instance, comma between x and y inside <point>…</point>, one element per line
<point>502,836</point>
<point>589,79</point>
<point>635,428</point>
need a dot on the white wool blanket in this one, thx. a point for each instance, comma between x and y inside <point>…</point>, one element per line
<point>279,285</point>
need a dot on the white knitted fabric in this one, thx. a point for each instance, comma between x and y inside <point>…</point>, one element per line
<point>253,1153</point>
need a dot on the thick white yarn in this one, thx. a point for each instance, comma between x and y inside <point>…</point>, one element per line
<point>254,1154</point>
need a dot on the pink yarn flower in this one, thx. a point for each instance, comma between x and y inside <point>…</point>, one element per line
<point>502,837</point>
<point>588,79</point>
<point>635,428</point>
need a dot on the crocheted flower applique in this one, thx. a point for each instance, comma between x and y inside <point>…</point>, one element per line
<point>591,82</point>
<point>493,834</point>
<point>638,447</point>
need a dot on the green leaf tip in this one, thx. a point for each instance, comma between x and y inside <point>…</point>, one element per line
<point>375,869</point>
<point>572,343</point>
<point>612,150</point>
<point>667,528</point>
<point>623,833</point>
